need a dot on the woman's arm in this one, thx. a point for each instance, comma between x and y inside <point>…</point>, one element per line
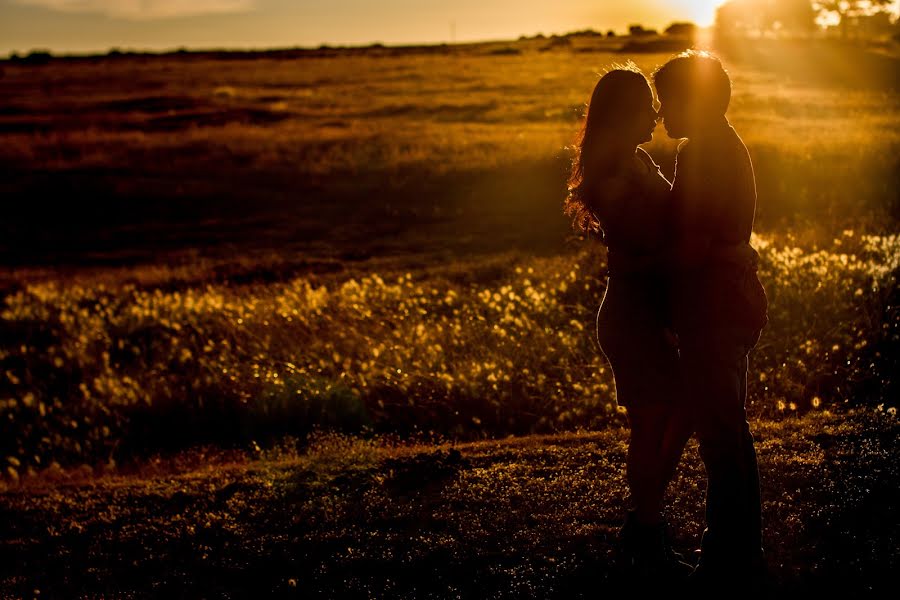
<point>684,255</point>
<point>622,263</point>
<point>688,256</point>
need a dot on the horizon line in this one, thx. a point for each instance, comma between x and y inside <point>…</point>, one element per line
<point>321,46</point>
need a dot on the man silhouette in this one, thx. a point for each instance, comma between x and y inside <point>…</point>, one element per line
<point>718,307</point>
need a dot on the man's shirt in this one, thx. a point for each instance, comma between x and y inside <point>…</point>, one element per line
<point>714,204</point>
<point>714,192</point>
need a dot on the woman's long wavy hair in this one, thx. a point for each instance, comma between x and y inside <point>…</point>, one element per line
<point>614,94</point>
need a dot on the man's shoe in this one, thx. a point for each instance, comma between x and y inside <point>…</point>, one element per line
<point>750,576</point>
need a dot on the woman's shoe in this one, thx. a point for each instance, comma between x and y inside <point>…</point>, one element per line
<point>678,566</point>
<point>646,552</point>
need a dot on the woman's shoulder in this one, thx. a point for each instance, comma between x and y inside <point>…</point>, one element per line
<point>652,170</point>
<point>629,182</point>
<point>645,158</point>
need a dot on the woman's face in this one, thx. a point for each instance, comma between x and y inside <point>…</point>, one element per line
<point>624,108</point>
<point>642,118</point>
<point>637,117</point>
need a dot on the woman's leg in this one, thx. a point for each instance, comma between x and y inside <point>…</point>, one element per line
<point>677,430</point>
<point>643,463</point>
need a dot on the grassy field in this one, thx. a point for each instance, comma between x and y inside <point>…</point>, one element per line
<point>359,155</point>
<point>240,251</point>
<point>529,517</point>
<point>486,347</point>
<point>229,247</point>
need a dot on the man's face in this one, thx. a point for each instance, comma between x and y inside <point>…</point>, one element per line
<point>675,117</point>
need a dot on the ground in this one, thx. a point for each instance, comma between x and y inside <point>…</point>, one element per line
<point>522,517</point>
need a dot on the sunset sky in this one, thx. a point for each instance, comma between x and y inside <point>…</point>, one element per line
<point>97,25</point>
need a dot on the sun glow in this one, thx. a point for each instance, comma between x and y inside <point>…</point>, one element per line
<point>701,12</point>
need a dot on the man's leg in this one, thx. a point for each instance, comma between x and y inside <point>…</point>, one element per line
<point>715,366</point>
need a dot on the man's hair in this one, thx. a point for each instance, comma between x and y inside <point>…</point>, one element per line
<point>695,77</point>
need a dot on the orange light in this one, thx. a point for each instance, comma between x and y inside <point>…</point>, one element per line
<point>701,12</point>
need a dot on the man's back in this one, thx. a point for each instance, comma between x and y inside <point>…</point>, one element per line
<point>714,196</point>
<point>715,189</point>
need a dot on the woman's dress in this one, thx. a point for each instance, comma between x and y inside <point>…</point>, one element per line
<point>633,209</point>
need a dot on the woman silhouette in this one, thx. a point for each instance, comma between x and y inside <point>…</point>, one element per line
<point>617,191</point>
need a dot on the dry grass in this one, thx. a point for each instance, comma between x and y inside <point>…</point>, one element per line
<point>420,115</point>
<point>519,518</point>
<point>113,370</point>
<point>261,216</point>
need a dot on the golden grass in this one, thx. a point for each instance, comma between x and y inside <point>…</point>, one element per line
<point>112,369</point>
<point>102,363</point>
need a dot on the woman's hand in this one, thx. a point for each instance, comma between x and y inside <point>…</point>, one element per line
<point>671,337</point>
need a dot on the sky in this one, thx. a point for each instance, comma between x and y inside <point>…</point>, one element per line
<point>80,26</point>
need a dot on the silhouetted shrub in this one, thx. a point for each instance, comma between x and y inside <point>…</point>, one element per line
<point>684,29</point>
<point>38,57</point>
<point>638,30</point>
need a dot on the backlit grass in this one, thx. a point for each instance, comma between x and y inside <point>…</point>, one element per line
<point>105,370</point>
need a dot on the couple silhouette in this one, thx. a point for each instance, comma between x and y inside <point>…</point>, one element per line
<point>682,309</point>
